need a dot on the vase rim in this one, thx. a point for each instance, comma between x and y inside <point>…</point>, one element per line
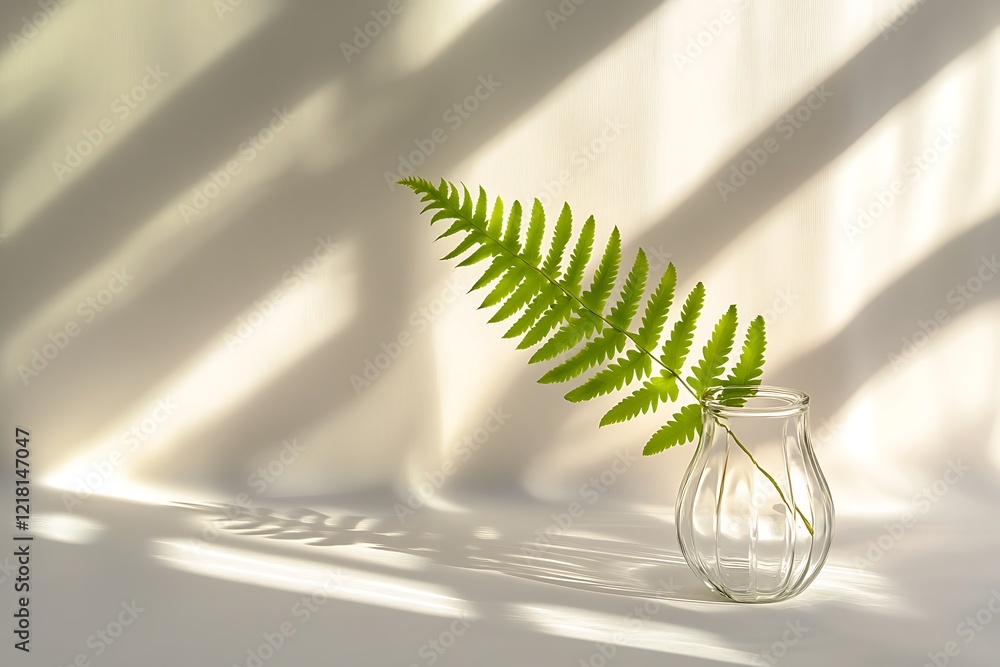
<point>766,401</point>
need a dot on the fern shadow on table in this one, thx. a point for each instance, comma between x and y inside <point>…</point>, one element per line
<point>583,562</point>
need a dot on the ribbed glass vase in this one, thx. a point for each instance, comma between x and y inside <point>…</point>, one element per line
<point>754,513</point>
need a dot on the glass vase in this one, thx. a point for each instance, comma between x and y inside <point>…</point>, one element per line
<point>754,513</point>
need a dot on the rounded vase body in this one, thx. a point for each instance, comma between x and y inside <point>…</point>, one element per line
<point>754,513</point>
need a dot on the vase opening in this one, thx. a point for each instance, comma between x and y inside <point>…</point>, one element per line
<point>762,401</point>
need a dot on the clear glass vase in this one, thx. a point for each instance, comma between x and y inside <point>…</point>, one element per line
<point>754,513</point>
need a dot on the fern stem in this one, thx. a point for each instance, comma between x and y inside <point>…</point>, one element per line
<point>781,494</point>
<point>632,337</point>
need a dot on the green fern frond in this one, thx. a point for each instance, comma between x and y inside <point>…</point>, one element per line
<point>625,310</point>
<point>676,349</point>
<point>657,309</point>
<point>560,239</point>
<point>512,231</point>
<point>627,368</point>
<point>484,251</point>
<point>660,389</point>
<point>715,354</point>
<point>681,428</point>
<point>609,343</point>
<point>482,208</point>
<point>465,202</point>
<point>504,287</point>
<point>494,228</point>
<point>580,327</point>
<point>536,230</point>
<point>555,315</point>
<point>500,265</point>
<point>521,297</point>
<point>750,366</point>
<point>596,351</point>
<point>599,292</point>
<point>747,371</point>
<point>580,257</point>
<point>534,311</point>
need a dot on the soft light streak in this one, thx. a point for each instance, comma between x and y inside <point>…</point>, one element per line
<point>312,577</point>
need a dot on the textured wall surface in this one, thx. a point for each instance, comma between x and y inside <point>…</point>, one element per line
<point>213,292</point>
